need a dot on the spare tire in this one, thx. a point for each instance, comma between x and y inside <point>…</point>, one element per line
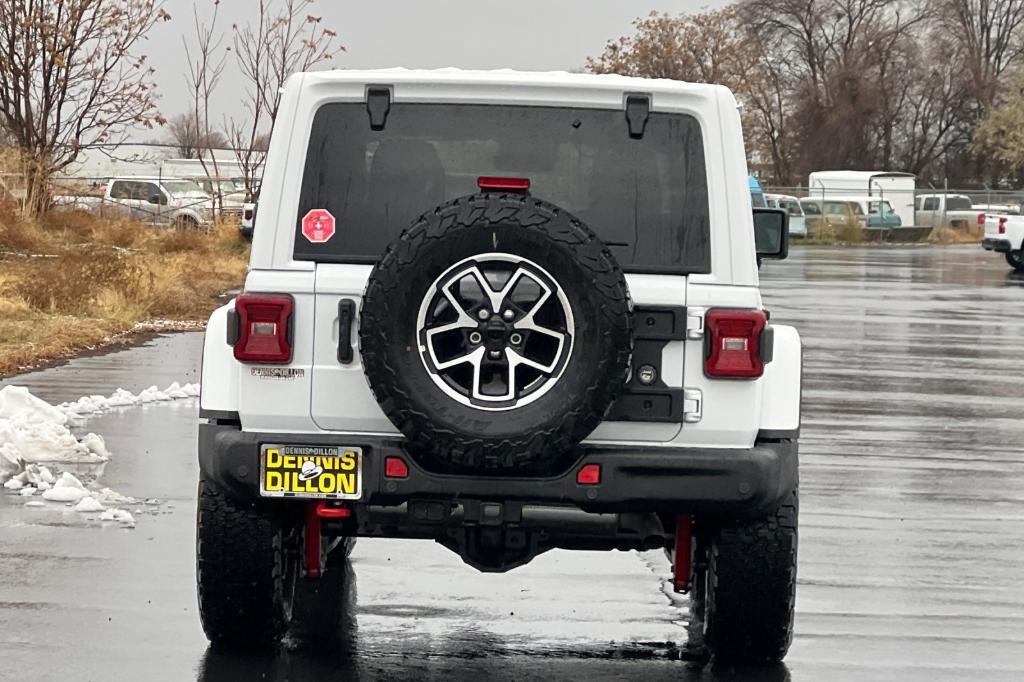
<point>495,333</point>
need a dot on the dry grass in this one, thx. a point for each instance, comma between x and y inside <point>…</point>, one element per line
<point>947,235</point>
<point>71,280</point>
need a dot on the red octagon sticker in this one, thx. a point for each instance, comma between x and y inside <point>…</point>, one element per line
<point>318,226</point>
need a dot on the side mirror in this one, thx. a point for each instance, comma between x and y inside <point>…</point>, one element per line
<point>771,233</point>
<point>156,198</point>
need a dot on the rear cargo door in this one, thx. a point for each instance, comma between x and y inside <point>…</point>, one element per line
<point>341,399</point>
<point>637,177</point>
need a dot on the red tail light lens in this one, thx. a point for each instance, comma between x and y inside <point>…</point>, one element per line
<point>734,343</point>
<point>395,467</point>
<point>248,214</point>
<point>264,325</point>
<point>590,474</point>
<point>1002,226</point>
<point>503,184</point>
<point>981,219</point>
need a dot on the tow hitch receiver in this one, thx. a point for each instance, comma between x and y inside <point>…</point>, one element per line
<point>315,511</point>
<point>683,554</point>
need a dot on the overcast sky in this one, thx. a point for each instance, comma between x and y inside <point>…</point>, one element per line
<point>519,34</point>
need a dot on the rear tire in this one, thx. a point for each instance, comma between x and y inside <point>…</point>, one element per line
<point>744,598</point>
<point>323,605</point>
<point>1015,259</point>
<point>186,223</point>
<point>246,563</point>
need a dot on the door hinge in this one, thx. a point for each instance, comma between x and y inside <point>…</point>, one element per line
<point>638,112</point>
<point>695,323</point>
<point>693,405</point>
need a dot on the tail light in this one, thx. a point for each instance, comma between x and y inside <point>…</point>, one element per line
<point>981,219</point>
<point>1002,226</point>
<point>395,467</point>
<point>734,343</point>
<point>247,214</point>
<point>263,328</point>
<point>492,184</point>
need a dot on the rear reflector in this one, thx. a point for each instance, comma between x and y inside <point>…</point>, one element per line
<point>734,343</point>
<point>503,184</point>
<point>589,475</point>
<point>263,328</point>
<point>395,467</point>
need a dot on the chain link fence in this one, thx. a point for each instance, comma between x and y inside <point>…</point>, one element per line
<point>143,181</point>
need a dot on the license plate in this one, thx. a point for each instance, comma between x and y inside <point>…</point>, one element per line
<point>312,471</point>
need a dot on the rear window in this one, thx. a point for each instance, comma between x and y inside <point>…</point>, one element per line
<point>792,207</point>
<point>646,199</point>
<point>958,203</point>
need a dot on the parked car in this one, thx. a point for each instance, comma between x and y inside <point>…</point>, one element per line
<point>833,216</point>
<point>248,221</point>
<point>949,210</point>
<point>434,341</point>
<point>879,212</point>
<point>1004,233</point>
<point>151,200</point>
<point>757,198</point>
<point>226,196</point>
<point>790,204</point>
<point>1005,209</point>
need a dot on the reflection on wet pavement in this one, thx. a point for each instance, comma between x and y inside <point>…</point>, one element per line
<point>912,505</point>
<point>911,463</point>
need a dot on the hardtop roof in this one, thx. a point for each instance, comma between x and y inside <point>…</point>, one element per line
<point>511,79</point>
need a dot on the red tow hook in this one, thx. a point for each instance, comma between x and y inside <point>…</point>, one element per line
<point>315,511</point>
<point>683,554</point>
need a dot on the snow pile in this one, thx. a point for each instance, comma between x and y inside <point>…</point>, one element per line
<point>122,516</point>
<point>66,489</point>
<point>32,431</point>
<point>91,404</point>
<point>88,505</point>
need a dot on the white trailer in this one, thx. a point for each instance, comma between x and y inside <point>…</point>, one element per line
<point>897,188</point>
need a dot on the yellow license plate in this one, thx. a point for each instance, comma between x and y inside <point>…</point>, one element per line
<point>313,471</point>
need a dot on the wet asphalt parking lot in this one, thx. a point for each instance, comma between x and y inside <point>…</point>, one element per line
<point>911,552</point>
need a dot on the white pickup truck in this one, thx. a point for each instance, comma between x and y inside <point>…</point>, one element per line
<point>946,210</point>
<point>151,200</point>
<point>1005,234</point>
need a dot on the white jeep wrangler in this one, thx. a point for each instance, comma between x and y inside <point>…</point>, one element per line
<point>508,312</point>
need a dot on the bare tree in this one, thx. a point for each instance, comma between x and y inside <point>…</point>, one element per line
<point>712,47</point>
<point>71,75</point>
<point>990,34</point>
<point>702,48</point>
<point>189,140</point>
<point>268,51</point>
<point>206,61</point>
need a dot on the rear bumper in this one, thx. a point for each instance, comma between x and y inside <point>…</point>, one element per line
<point>1000,245</point>
<point>703,481</point>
